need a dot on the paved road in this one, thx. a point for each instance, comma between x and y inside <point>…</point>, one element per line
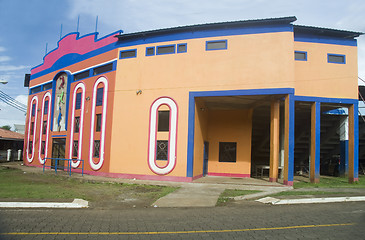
<point>242,220</point>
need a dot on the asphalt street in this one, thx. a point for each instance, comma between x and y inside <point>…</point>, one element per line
<point>240,220</point>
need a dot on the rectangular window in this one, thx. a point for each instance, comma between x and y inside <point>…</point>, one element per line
<point>31,128</point>
<point>103,69</point>
<point>43,147</point>
<point>75,148</point>
<point>181,48</point>
<point>166,49</point>
<point>216,45</point>
<point>96,149</point>
<point>99,96</point>
<point>163,121</point>
<point>30,147</point>
<point>78,101</point>
<point>162,150</point>
<point>150,51</point>
<point>77,124</point>
<point>45,107</point>
<point>300,56</point>
<point>44,128</point>
<point>33,110</point>
<point>98,123</point>
<point>336,58</point>
<point>35,89</point>
<point>128,54</point>
<point>81,75</point>
<point>47,86</point>
<point>227,151</point>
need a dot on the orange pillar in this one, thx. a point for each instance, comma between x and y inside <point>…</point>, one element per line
<point>353,144</point>
<point>315,142</point>
<point>274,140</point>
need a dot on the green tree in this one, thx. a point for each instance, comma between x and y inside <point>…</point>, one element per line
<point>6,127</point>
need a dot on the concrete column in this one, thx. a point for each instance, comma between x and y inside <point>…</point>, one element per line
<point>344,145</point>
<point>289,140</point>
<point>315,142</point>
<point>274,140</point>
<point>353,152</point>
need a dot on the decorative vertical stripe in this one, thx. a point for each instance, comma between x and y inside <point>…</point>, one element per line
<point>97,166</point>
<point>82,87</point>
<point>172,136</point>
<point>34,99</point>
<point>47,95</point>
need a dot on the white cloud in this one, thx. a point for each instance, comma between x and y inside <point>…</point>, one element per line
<point>2,49</point>
<point>5,68</point>
<point>4,58</point>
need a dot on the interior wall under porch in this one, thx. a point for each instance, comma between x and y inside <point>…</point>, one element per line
<point>223,126</point>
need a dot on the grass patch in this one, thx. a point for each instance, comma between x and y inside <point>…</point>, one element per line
<point>16,184</point>
<point>299,193</point>
<point>332,182</point>
<point>228,194</point>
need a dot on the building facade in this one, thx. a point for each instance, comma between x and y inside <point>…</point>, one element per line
<point>180,103</point>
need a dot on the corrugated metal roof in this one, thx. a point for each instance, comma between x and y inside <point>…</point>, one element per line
<point>9,135</point>
<point>209,26</point>
<point>299,29</point>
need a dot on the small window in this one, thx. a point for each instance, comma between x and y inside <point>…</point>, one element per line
<point>43,147</point>
<point>336,58</point>
<point>181,48</point>
<point>163,121</point>
<point>216,45</point>
<point>98,123</point>
<point>128,54</point>
<point>33,110</point>
<point>31,128</point>
<point>44,128</point>
<point>47,86</point>
<point>103,69</point>
<point>45,110</point>
<point>99,96</point>
<point>35,90</point>
<point>227,151</point>
<point>75,148</point>
<point>30,147</point>
<point>96,149</point>
<point>77,124</point>
<point>81,75</point>
<point>162,150</point>
<point>78,101</point>
<point>166,49</point>
<point>300,56</point>
<point>150,51</point>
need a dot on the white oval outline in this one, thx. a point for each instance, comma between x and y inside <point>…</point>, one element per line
<point>97,166</point>
<point>81,129</point>
<point>172,136</point>
<point>35,98</point>
<point>48,94</point>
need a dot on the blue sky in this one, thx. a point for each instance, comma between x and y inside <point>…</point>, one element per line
<point>28,26</point>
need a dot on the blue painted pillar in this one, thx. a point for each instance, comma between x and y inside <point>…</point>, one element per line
<point>315,142</point>
<point>191,134</point>
<point>344,146</point>
<point>289,140</point>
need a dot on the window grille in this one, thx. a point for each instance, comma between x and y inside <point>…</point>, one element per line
<point>162,150</point>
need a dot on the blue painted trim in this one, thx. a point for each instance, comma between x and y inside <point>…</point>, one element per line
<point>344,158</point>
<point>169,45</point>
<point>191,135</point>
<point>325,100</point>
<point>215,41</point>
<point>153,51</point>
<point>163,38</point>
<point>129,50</point>
<point>41,88</point>
<point>317,154</point>
<point>182,44</point>
<point>305,53</point>
<point>337,55</point>
<point>59,136</point>
<point>356,140</point>
<point>114,63</point>
<point>291,137</point>
<point>191,117</point>
<point>325,40</point>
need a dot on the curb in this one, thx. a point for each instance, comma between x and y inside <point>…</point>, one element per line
<point>77,203</point>
<point>275,201</point>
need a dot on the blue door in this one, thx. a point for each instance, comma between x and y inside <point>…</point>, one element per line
<point>205,158</point>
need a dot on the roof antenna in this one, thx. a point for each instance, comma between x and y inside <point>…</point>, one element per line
<point>78,22</point>
<point>46,49</point>
<point>96,24</point>
<point>61,32</point>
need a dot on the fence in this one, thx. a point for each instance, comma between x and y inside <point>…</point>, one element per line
<point>59,166</point>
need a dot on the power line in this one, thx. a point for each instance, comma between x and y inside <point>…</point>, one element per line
<point>12,102</point>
